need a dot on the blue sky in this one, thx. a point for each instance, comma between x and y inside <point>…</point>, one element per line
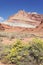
<point>9,7</point>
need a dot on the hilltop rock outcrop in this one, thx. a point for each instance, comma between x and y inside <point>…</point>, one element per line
<point>26,17</point>
<point>23,17</point>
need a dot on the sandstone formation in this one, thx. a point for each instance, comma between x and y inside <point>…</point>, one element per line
<point>21,17</point>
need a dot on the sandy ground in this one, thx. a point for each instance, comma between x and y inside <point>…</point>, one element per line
<point>1,63</point>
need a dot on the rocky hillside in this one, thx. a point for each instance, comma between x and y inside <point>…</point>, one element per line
<point>26,17</point>
<point>23,21</point>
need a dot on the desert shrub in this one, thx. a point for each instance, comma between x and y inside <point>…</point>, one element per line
<point>1,49</point>
<point>21,54</point>
<point>36,50</point>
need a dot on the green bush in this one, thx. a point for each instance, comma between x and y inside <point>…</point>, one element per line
<point>36,50</point>
<point>21,54</point>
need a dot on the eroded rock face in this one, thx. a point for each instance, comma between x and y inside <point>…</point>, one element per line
<point>3,26</point>
<point>23,17</point>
